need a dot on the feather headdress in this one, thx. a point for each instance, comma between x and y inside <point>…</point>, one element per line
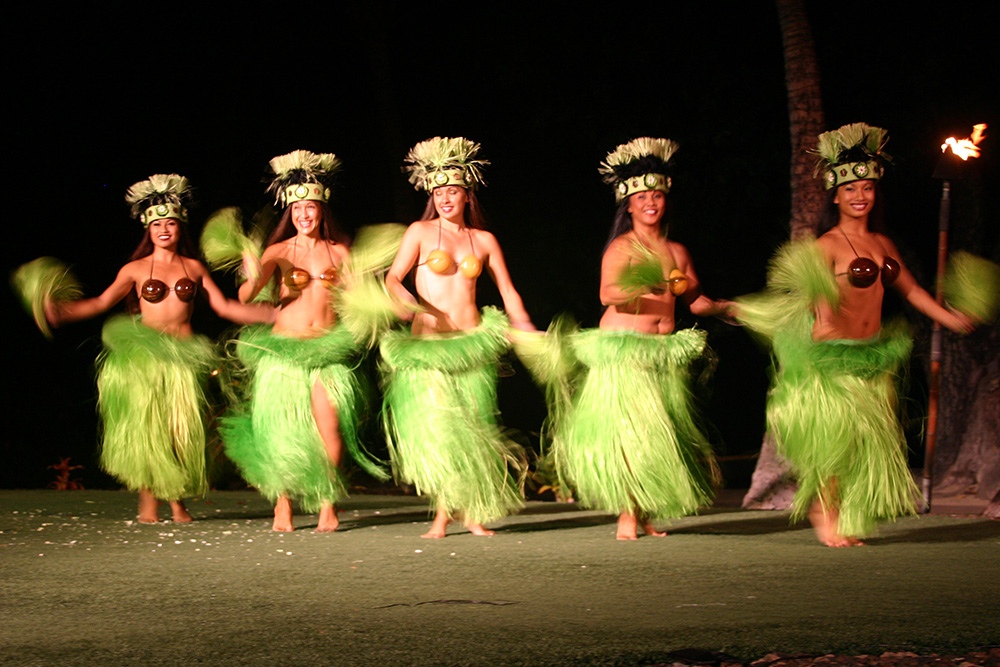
<point>851,153</point>
<point>445,161</point>
<point>161,196</point>
<point>641,164</point>
<point>303,175</point>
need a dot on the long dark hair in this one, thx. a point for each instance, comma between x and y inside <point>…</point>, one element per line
<point>830,215</point>
<point>185,247</point>
<point>328,228</point>
<point>472,213</point>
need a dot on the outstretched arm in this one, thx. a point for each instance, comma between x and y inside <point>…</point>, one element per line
<point>512,303</point>
<point>61,312</point>
<point>698,303</point>
<point>920,299</point>
<point>241,313</point>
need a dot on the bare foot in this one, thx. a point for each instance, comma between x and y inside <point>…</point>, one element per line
<point>328,520</point>
<point>147,507</point>
<point>647,527</point>
<point>283,515</point>
<point>627,525</point>
<point>439,527</point>
<point>825,520</point>
<point>180,513</point>
<point>477,529</point>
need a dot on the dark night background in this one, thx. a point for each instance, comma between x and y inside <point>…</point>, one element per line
<point>101,99</point>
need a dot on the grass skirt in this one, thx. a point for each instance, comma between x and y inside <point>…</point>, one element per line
<point>630,439</point>
<point>441,418</point>
<point>833,412</point>
<point>152,403</point>
<point>273,438</point>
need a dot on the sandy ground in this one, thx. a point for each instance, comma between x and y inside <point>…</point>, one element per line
<point>84,584</point>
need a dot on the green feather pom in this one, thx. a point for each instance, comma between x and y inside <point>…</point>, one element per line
<point>798,279</point>
<point>643,273</point>
<point>374,248</point>
<point>41,281</point>
<point>550,359</point>
<point>363,303</point>
<point>223,240</point>
<point>972,286</point>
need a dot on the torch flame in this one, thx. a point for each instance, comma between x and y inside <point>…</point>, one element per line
<point>966,148</point>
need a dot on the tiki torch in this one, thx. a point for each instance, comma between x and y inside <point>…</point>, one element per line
<point>949,168</point>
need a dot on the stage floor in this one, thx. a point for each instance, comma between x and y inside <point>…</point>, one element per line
<point>84,584</point>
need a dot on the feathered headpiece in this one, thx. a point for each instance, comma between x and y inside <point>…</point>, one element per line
<point>851,153</point>
<point>445,161</point>
<point>639,165</point>
<point>162,196</point>
<point>302,175</point>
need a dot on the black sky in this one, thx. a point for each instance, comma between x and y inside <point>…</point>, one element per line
<point>101,99</point>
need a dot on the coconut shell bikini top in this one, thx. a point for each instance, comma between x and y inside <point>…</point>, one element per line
<point>155,290</point>
<point>441,262</point>
<point>863,271</point>
<point>298,278</point>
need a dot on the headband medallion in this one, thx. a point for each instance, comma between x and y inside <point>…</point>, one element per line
<point>438,179</point>
<point>305,191</point>
<point>161,211</point>
<point>643,183</point>
<point>852,171</point>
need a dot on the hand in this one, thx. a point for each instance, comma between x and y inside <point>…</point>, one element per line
<point>53,314</point>
<point>728,311</point>
<point>406,306</point>
<point>962,324</point>
<point>252,267</point>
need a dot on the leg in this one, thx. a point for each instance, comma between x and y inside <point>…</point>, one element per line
<point>180,513</point>
<point>328,425</point>
<point>647,526</point>
<point>478,529</point>
<point>824,516</point>
<point>440,525</point>
<point>283,515</point>
<point>147,507</point>
<point>627,525</point>
<point>328,521</point>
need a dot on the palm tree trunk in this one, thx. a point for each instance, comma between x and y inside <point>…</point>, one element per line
<point>773,486</point>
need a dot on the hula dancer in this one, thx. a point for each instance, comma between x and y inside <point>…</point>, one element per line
<point>304,395</point>
<point>440,377</point>
<point>153,368</point>
<point>832,407</point>
<point>630,444</point>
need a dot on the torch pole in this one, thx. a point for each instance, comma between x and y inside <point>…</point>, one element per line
<point>944,216</point>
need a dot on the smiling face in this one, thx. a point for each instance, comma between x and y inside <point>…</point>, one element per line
<point>306,216</point>
<point>449,201</point>
<point>647,207</point>
<point>855,199</point>
<point>165,232</point>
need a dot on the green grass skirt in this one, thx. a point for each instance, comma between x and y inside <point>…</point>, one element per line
<point>833,404</point>
<point>441,419</point>
<point>152,404</point>
<point>273,437</point>
<point>833,411</point>
<point>630,438</point>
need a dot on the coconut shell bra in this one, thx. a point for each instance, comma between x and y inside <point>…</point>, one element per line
<point>441,262</point>
<point>297,278</point>
<point>863,271</point>
<point>154,290</point>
